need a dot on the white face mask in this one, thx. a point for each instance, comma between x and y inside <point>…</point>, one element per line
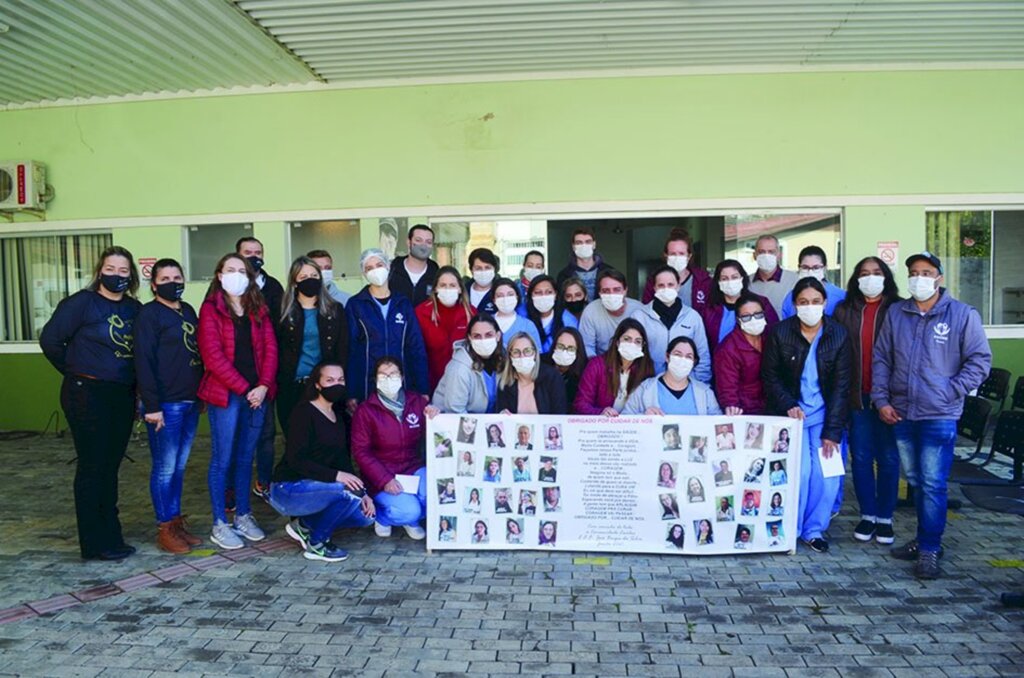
<point>583,251</point>
<point>816,273</point>
<point>613,302</point>
<point>234,283</point>
<point>871,285</point>
<point>524,365</point>
<point>447,296</point>
<point>544,303</point>
<point>377,276</point>
<point>767,262</point>
<point>563,358</point>
<point>327,275</point>
<point>810,315</point>
<point>483,278</point>
<point>754,327</point>
<point>678,261</point>
<point>506,304</point>
<point>730,288</point>
<point>531,273</point>
<point>484,347</point>
<point>630,351</point>
<point>667,295</point>
<point>680,366</point>
<point>921,288</point>
<point>389,386</point>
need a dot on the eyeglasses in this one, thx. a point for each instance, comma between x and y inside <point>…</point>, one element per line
<point>564,347</point>
<point>812,268</point>
<point>524,353</point>
<point>751,316</point>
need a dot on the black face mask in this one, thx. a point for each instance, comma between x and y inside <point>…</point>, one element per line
<point>310,286</point>
<point>333,393</point>
<point>170,291</point>
<point>255,262</point>
<point>115,283</point>
<point>576,307</point>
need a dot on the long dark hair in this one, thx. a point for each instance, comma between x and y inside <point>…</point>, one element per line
<point>494,363</point>
<point>325,305</point>
<point>534,315</point>
<point>133,275</point>
<point>803,283</point>
<point>890,292</point>
<point>252,298</point>
<point>311,392</point>
<point>576,369</point>
<point>717,298</point>
<point>642,368</point>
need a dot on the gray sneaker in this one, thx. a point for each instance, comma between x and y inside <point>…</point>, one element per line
<point>224,537</point>
<point>246,526</point>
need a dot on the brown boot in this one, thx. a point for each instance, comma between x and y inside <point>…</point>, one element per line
<point>181,525</point>
<point>168,539</point>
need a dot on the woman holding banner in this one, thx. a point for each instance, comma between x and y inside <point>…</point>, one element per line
<point>672,391</point>
<point>527,385</point>
<point>470,381</point>
<point>806,374</point>
<point>610,379</point>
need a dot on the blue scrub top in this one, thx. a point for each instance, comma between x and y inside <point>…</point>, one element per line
<point>669,404</point>
<point>812,400</point>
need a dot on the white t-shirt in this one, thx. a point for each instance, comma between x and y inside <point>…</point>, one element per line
<point>476,297</point>
<point>414,277</point>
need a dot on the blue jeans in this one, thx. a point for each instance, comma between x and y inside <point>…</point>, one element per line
<point>817,493</point>
<point>323,507</point>
<point>926,452</point>
<point>234,432</point>
<point>169,448</point>
<point>872,444</point>
<point>404,508</point>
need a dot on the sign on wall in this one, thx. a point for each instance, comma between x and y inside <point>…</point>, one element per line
<point>684,485</point>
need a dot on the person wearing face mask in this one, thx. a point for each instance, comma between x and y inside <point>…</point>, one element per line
<point>567,357</point>
<point>381,324</point>
<point>869,295</point>
<point>738,359</point>
<point>506,301</point>
<point>930,353</point>
<point>483,269</point>
<point>544,308</point>
<point>674,391</point>
<point>251,250</point>
<point>388,434</point>
<point>584,262</point>
<point>312,330</point>
<point>239,350</point>
<point>443,319</point>
<point>169,369</point>
<point>526,384</point>
<point>574,296</point>
<point>609,380</point>
<point>533,266</point>
<point>806,373</point>
<point>602,316</point>
<point>694,281</point>
<point>667,317</point>
<point>814,264</point>
<point>314,482</point>
<point>470,381</point>
<point>731,282</point>
<point>771,280</point>
<point>413,275</point>
<point>90,340</point>
<point>325,261</point>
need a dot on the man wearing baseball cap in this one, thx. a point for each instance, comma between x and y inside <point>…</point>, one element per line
<point>930,353</point>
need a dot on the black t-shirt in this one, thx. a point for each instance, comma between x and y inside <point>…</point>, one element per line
<point>317,448</point>
<point>245,356</point>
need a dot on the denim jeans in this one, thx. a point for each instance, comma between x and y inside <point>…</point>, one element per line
<point>926,452</point>
<point>170,447</point>
<point>872,444</point>
<point>323,507</point>
<point>234,432</point>
<point>404,508</point>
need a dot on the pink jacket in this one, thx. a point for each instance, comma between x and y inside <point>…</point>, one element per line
<point>383,445</point>
<point>594,393</point>
<point>737,368</point>
<point>217,349</point>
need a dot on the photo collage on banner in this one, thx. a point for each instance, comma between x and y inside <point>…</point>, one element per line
<point>693,485</point>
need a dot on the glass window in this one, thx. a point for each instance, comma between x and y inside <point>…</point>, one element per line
<point>339,238</point>
<point>207,243</point>
<point>37,272</point>
<point>980,253</point>
<point>794,231</point>
<point>509,239</point>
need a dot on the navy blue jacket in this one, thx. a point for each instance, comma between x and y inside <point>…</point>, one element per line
<point>372,337</point>
<point>167,358</point>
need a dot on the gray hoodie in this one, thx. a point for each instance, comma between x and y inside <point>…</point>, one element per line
<point>924,364</point>
<point>461,389</point>
<point>646,395</point>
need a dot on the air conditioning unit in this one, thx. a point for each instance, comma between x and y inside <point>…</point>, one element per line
<point>22,185</point>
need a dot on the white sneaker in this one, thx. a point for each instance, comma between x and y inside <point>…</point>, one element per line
<point>224,537</point>
<point>415,532</point>
<point>382,530</point>
<point>246,526</point>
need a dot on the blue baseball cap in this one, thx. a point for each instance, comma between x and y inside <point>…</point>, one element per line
<point>925,256</point>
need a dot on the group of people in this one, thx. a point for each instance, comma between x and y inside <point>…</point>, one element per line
<point>351,378</point>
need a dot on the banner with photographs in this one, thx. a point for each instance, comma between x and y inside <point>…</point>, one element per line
<point>688,485</point>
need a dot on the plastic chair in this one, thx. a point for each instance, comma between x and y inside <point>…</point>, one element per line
<point>996,387</point>
<point>1007,440</point>
<point>1017,399</point>
<point>974,422</point>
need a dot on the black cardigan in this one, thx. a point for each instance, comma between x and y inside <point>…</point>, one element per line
<point>333,340</point>
<point>548,391</point>
<point>850,314</point>
<point>782,365</point>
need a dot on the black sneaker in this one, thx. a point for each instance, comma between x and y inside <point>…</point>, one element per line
<point>262,491</point>
<point>909,551</point>
<point>864,531</point>
<point>884,533</point>
<point>927,565</point>
<point>818,545</point>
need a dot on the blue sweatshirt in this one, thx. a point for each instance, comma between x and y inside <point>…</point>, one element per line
<point>92,336</point>
<point>373,336</point>
<point>167,361</point>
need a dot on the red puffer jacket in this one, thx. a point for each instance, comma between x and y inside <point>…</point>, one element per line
<point>441,336</point>
<point>217,348</point>
<point>737,368</point>
<point>384,445</point>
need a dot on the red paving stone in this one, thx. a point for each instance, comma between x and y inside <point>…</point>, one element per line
<point>19,613</point>
<point>139,581</point>
<point>275,545</point>
<point>174,572</point>
<point>242,554</point>
<point>54,604</point>
<point>97,592</point>
<point>210,562</point>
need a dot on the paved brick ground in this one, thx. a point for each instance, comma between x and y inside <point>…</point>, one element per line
<point>393,610</point>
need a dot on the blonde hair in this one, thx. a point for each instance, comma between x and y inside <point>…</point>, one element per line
<point>508,374</point>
